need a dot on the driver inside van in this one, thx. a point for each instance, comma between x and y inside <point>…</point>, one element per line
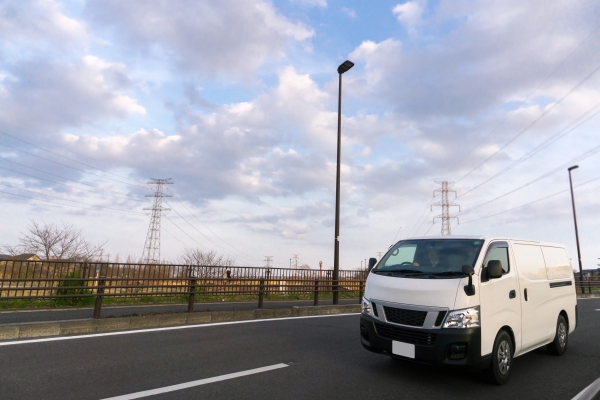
<point>434,257</point>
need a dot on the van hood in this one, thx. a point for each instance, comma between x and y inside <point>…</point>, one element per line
<point>418,292</point>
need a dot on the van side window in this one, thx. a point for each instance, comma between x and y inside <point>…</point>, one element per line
<point>501,254</point>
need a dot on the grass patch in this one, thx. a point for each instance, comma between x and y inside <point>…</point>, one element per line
<point>65,288</point>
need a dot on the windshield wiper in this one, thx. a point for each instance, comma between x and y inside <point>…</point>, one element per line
<point>404,271</point>
<point>448,273</point>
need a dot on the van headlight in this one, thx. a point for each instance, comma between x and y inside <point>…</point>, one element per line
<point>467,318</point>
<point>366,307</point>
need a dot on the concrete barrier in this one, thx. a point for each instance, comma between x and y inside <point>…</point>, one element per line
<point>45,329</point>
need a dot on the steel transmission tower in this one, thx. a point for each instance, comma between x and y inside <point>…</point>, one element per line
<point>152,247</point>
<point>296,261</point>
<point>268,260</point>
<point>445,216</point>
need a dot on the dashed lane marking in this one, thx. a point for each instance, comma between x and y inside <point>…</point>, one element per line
<point>200,382</point>
<point>590,392</point>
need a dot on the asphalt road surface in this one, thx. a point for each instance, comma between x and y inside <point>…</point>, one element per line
<point>302,358</point>
<point>62,314</point>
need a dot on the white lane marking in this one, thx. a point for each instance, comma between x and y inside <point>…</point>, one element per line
<point>170,328</point>
<point>181,386</point>
<point>589,392</point>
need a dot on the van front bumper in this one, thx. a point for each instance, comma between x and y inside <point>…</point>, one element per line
<point>432,346</point>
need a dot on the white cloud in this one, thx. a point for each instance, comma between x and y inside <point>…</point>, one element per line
<point>41,96</point>
<point>410,14</point>
<point>311,3</point>
<point>31,22</point>
<point>349,12</point>
<point>210,37</point>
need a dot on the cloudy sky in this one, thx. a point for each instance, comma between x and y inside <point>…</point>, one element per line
<point>236,101</point>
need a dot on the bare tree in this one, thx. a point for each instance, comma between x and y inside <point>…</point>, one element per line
<point>55,243</point>
<point>203,258</point>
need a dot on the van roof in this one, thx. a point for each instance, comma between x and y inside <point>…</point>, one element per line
<point>474,237</point>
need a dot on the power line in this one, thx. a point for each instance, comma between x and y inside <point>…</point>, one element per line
<point>64,184</point>
<point>210,230</point>
<point>532,202</point>
<point>91,206</point>
<point>207,238</point>
<point>69,180</point>
<point>533,122</point>
<point>527,97</point>
<point>547,174</point>
<point>560,134</point>
<point>426,232</point>
<point>69,166</point>
<point>65,157</point>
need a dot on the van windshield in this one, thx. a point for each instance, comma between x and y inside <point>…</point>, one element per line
<point>429,258</point>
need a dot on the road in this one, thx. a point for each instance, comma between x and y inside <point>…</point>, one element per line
<point>311,358</point>
<point>62,314</point>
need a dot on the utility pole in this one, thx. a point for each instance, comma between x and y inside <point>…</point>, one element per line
<point>296,261</point>
<point>576,230</point>
<point>151,254</point>
<point>445,216</point>
<point>379,254</point>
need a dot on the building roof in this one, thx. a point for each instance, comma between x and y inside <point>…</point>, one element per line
<point>23,257</point>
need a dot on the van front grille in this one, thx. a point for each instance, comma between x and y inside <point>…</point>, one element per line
<point>405,317</point>
<point>405,335</point>
<point>440,318</point>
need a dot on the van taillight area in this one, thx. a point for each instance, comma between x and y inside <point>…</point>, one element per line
<point>431,346</point>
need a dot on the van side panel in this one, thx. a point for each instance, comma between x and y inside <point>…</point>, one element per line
<point>538,317</point>
<point>561,282</point>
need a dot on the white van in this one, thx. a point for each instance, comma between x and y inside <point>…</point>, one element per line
<point>462,300</point>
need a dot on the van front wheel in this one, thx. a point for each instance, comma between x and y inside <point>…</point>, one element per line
<point>499,371</point>
<point>559,346</point>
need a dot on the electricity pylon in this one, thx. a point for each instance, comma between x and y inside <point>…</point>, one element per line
<point>151,253</point>
<point>445,216</point>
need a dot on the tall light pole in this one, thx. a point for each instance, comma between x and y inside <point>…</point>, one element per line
<point>576,230</point>
<point>345,66</point>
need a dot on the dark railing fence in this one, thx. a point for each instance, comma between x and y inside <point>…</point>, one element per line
<point>39,280</point>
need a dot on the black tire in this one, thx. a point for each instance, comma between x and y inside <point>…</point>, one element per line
<point>499,372</point>
<point>561,339</point>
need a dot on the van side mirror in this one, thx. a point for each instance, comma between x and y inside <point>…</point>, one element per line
<point>494,269</point>
<point>469,288</point>
<point>372,262</point>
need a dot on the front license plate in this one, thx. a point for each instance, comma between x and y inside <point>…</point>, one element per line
<point>403,349</point>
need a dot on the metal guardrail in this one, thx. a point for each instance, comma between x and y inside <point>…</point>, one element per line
<point>46,280</point>
<point>99,288</point>
<point>588,284</point>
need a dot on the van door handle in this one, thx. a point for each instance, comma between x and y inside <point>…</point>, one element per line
<point>512,294</point>
<point>525,293</point>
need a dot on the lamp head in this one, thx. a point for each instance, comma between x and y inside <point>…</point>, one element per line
<point>345,66</point>
<point>573,167</point>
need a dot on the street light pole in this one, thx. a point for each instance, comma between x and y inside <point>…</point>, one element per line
<point>576,230</point>
<point>345,66</point>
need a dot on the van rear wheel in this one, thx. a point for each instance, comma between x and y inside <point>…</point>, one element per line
<point>559,346</point>
<point>499,371</point>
